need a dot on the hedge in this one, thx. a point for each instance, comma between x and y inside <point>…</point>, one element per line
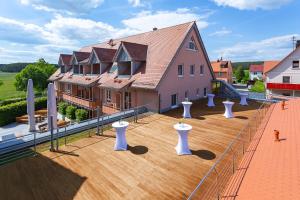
<point>81,115</point>
<point>10,101</point>
<point>70,112</point>
<point>62,108</point>
<point>8,113</point>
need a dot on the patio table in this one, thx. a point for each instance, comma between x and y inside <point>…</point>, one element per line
<point>228,109</point>
<point>182,147</point>
<point>186,109</point>
<point>121,144</point>
<point>243,101</point>
<point>210,100</point>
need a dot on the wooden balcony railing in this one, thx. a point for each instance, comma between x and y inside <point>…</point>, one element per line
<point>79,101</point>
<point>110,108</point>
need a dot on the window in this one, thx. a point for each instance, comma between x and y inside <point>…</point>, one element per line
<point>192,70</point>
<point>180,70</point>
<point>296,64</point>
<point>197,92</point>
<point>204,92</point>
<point>173,100</point>
<point>108,95</point>
<point>201,69</point>
<point>192,44</point>
<point>62,69</point>
<point>255,73</point>
<point>68,88</point>
<point>286,79</point>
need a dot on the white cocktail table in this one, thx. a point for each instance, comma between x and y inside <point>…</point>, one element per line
<point>210,100</point>
<point>182,147</point>
<point>186,109</point>
<point>243,101</point>
<point>121,144</point>
<point>228,109</point>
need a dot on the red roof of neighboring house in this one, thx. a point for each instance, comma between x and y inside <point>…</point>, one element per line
<point>162,46</point>
<point>269,65</point>
<point>220,66</point>
<point>256,68</point>
<point>105,55</point>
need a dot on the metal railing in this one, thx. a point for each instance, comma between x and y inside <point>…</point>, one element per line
<point>214,183</point>
<point>95,125</point>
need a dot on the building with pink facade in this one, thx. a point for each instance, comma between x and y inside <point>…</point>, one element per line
<point>157,69</point>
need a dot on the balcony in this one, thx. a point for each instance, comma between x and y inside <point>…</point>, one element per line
<point>89,104</point>
<point>110,108</point>
<point>283,86</point>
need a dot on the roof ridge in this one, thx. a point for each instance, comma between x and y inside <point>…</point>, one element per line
<point>122,38</point>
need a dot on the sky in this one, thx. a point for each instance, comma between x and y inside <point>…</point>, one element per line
<point>238,30</point>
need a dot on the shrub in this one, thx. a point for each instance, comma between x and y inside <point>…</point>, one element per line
<point>70,112</point>
<point>13,100</point>
<point>62,108</point>
<point>81,115</point>
<point>8,113</point>
<point>259,86</point>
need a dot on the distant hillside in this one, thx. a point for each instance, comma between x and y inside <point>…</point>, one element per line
<point>245,65</point>
<point>15,67</point>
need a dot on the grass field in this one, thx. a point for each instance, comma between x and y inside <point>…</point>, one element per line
<point>8,90</point>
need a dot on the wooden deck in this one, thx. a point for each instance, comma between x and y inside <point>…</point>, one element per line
<point>150,169</point>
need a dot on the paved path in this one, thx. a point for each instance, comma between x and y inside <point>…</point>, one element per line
<point>274,171</point>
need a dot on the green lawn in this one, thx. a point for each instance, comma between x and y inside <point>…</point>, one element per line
<point>8,90</point>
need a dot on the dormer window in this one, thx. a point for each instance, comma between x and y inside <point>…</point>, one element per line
<point>62,69</point>
<point>192,44</point>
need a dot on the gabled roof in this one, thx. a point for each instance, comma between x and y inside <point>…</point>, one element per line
<point>269,65</point>
<point>162,46</point>
<point>80,56</point>
<point>220,66</point>
<point>65,59</point>
<point>137,52</point>
<point>266,71</point>
<point>256,68</point>
<point>104,54</point>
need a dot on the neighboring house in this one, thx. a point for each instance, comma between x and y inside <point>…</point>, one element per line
<point>284,78</point>
<point>222,70</point>
<point>256,71</point>
<point>158,69</point>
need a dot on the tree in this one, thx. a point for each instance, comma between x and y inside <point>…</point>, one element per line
<point>239,73</point>
<point>39,72</point>
<point>246,76</point>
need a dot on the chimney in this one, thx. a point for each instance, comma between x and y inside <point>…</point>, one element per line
<point>297,43</point>
<point>154,29</point>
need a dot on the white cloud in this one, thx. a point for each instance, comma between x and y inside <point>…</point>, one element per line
<point>224,31</point>
<point>252,4</point>
<point>146,20</point>
<point>140,3</point>
<point>64,7</point>
<point>267,49</point>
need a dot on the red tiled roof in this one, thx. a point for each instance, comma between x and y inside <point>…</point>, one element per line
<point>269,65</point>
<point>273,172</point>
<point>66,59</point>
<point>256,68</point>
<point>163,45</point>
<point>137,52</point>
<point>117,83</point>
<point>104,54</point>
<point>69,77</point>
<point>218,66</point>
<point>56,75</point>
<point>80,56</point>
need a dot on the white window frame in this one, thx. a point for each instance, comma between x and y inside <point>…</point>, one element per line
<point>201,70</point>
<point>182,66</point>
<point>289,79</point>
<point>108,95</point>
<point>192,67</point>
<point>297,66</point>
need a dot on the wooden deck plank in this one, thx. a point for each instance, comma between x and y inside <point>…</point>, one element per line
<point>150,169</point>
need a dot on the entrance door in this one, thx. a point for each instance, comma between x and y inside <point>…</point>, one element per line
<point>127,99</point>
<point>173,100</point>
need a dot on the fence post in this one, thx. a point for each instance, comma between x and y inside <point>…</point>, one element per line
<point>34,140</point>
<point>51,131</point>
<point>57,138</point>
<point>98,119</point>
